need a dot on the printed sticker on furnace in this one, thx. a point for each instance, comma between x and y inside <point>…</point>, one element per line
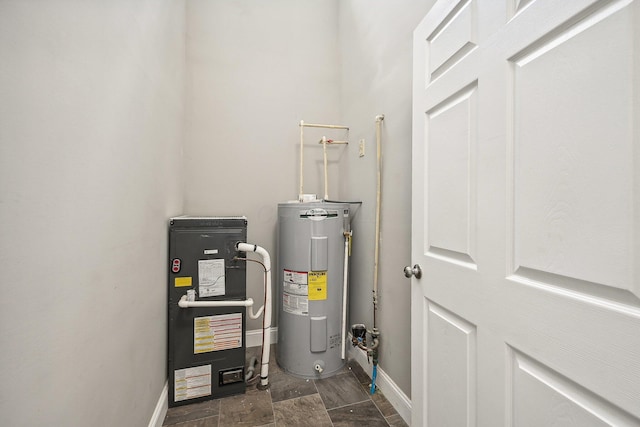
<point>211,277</point>
<point>192,382</point>
<point>214,333</point>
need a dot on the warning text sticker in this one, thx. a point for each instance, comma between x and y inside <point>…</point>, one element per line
<point>211,277</point>
<point>317,285</point>
<point>214,333</point>
<point>295,292</point>
<point>192,382</point>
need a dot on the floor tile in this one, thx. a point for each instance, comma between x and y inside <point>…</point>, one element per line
<point>194,411</point>
<point>202,422</point>
<point>285,386</point>
<point>396,421</point>
<point>340,390</point>
<point>356,369</point>
<point>382,403</point>
<point>250,409</point>
<point>358,414</point>
<point>301,412</point>
<point>378,397</point>
<point>292,401</point>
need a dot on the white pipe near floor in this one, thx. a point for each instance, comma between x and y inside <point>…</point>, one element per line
<point>376,255</point>
<point>266,327</point>
<point>345,273</point>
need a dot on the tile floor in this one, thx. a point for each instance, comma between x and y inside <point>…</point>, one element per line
<point>340,401</point>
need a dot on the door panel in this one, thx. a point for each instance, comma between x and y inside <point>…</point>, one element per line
<point>564,401</point>
<point>568,220</point>
<point>451,131</point>
<point>526,185</point>
<point>453,38</point>
<point>451,368</point>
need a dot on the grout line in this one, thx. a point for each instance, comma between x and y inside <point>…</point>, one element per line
<point>273,411</point>
<point>396,397</point>
<point>349,404</point>
<point>379,411</point>
<point>324,405</point>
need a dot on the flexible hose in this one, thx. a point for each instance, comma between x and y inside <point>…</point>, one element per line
<point>251,368</point>
<point>374,374</point>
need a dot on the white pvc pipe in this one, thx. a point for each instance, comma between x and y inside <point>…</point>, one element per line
<point>324,142</point>
<point>300,194</point>
<point>313,125</point>
<point>184,303</point>
<point>376,255</point>
<point>190,304</point>
<point>326,178</point>
<point>334,142</point>
<point>266,260</point>
<point>344,293</point>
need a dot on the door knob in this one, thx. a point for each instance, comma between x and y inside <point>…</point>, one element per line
<point>415,271</point>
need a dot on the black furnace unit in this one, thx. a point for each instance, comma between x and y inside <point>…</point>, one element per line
<point>206,344</point>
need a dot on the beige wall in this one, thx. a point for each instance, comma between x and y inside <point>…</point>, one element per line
<point>91,106</point>
<point>254,70</point>
<point>376,67</point>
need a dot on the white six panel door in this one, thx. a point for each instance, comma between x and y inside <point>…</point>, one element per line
<point>526,214</point>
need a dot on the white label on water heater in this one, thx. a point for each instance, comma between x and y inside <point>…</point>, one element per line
<point>295,292</point>
<point>295,304</point>
<point>192,382</point>
<point>211,277</point>
<point>297,277</point>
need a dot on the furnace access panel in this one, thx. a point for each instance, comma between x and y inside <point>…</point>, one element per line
<point>206,351</point>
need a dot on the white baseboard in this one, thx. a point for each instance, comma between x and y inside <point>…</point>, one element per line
<point>392,392</point>
<point>254,337</point>
<point>161,408</point>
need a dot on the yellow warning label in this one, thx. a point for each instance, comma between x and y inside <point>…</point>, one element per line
<point>317,285</point>
<point>182,282</point>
